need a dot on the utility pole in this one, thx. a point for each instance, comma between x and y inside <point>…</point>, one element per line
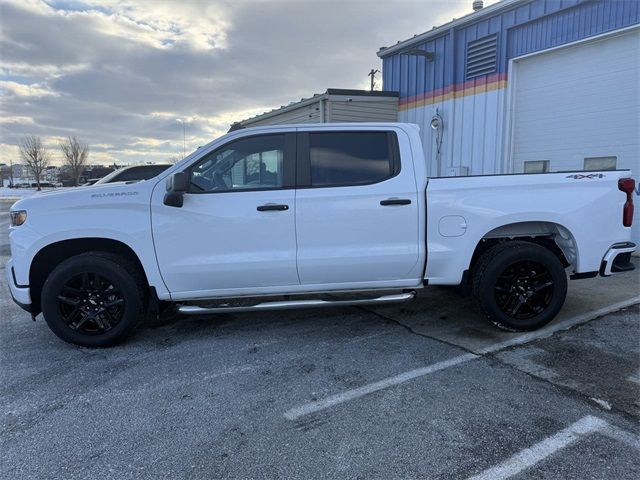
<point>372,74</point>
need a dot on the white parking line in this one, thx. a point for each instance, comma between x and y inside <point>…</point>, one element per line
<point>327,402</point>
<point>621,435</point>
<point>530,456</point>
<point>306,409</point>
<point>538,452</point>
<point>635,378</point>
<point>556,327</point>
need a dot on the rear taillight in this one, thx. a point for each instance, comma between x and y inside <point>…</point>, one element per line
<point>628,186</point>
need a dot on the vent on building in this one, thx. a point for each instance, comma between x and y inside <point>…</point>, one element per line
<point>482,55</point>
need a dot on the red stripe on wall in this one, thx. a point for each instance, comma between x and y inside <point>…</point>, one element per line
<point>469,84</point>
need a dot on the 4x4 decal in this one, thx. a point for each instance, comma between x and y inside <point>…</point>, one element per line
<point>580,176</point>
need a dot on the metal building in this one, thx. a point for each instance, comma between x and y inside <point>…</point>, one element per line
<point>525,86</point>
<point>335,105</point>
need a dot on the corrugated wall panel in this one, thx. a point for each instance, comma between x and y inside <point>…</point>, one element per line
<point>362,111</point>
<point>520,30</point>
<point>584,20</point>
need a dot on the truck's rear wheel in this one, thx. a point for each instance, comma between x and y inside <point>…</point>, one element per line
<point>93,300</point>
<point>521,286</point>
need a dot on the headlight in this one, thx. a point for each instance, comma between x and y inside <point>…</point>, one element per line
<point>18,217</point>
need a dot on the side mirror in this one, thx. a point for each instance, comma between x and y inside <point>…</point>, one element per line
<point>177,184</point>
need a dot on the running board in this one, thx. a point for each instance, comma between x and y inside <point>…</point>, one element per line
<point>291,304</point>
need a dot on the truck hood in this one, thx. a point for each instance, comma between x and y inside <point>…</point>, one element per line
<point>84,197</point>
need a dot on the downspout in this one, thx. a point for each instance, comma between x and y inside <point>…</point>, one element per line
<point>323,103</point>
<point>452,114</point>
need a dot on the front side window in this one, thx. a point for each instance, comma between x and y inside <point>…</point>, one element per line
<point>350,158</point>
<point>245,164</point>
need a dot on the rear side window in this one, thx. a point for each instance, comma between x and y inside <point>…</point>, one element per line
<point>352,158</point>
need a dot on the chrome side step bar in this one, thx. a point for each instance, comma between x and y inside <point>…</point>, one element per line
<point>291,304</point>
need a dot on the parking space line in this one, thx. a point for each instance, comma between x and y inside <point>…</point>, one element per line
<point>635,378</point>
<point>327,402</point>
<point>622,436</point>
<point>312,407</point>
<point>528,457</point>
<point>556,327</point>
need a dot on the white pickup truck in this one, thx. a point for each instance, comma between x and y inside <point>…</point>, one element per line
<point>312,215</point>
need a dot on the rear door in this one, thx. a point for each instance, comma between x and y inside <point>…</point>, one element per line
<point>357,219</point>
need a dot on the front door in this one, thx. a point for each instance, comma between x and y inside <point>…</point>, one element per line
<point>236,228</point>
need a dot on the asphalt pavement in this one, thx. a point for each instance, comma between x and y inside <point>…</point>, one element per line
<point>420,390</point>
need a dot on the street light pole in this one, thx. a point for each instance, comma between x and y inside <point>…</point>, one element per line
<point>184,136</point>
<point>184,140</point>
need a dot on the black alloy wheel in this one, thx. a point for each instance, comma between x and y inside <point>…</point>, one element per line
<point>91,304</point>
<point>524,290</point>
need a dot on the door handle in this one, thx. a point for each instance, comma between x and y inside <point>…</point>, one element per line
<point>272,206</point>
<point>395,201</point>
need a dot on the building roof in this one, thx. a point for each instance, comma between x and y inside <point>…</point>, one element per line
<point>456,22</point>
<point>316,97</point>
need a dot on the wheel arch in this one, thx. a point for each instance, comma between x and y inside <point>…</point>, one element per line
<point>554,237</point>
<point>51,255</point>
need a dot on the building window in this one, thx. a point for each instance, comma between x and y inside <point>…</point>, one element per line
<point>536,166</point>
<point>600,163</point>
<point>482,56</point>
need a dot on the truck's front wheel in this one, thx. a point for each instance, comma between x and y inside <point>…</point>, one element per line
<point>94,299</point>
<point>521,286</point>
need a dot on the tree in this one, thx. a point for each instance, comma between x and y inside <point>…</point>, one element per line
<point>35,156</point>
<point>4,173</point>
<point>175,158</point>
<point>75,154</point>
<point>11,172</point>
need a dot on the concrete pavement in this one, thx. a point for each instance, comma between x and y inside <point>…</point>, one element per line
<point>419,390</point>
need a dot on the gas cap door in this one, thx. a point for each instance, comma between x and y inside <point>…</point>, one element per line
<point>452,226</point>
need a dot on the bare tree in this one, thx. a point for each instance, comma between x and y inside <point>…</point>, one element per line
<point>35,155</point>
<point>175,158</point>
<point>4,170</point>
<point>75,154</point>
<point>11,172</point>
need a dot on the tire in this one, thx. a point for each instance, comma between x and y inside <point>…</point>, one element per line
<point>94,299</point>
<point>521,286</point>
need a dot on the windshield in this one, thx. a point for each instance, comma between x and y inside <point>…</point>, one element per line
<point>107,178</point>
<point>134,174</point>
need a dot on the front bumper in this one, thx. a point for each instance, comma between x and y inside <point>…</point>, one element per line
<point>618,259</point>
<point>19,293</point>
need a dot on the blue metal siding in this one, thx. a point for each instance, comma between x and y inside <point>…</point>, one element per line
<point>584,20</point>
<point>534,26</point>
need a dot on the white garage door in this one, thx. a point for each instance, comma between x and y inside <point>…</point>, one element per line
<point>580,102</point>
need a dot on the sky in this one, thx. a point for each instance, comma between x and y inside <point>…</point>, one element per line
<point>122,75</point>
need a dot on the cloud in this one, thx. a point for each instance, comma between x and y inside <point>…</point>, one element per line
<point>24,90</point>
<point>119,73</point>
